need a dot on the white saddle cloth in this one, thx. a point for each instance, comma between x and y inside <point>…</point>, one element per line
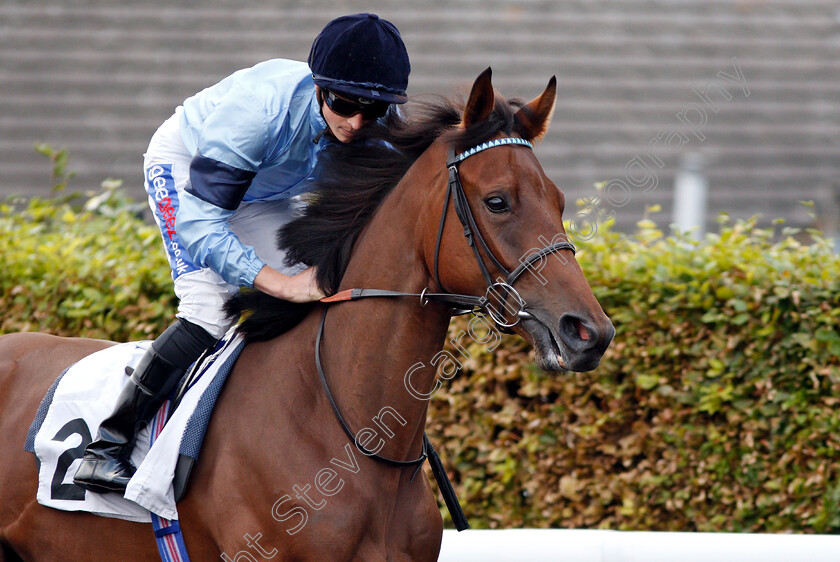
<point>84,396</point>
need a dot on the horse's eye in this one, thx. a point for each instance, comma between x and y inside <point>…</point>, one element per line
<point>496,204</point>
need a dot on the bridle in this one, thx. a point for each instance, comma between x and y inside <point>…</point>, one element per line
<point>501,289</point>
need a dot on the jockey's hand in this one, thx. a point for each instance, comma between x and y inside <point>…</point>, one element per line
<point>296,288</point>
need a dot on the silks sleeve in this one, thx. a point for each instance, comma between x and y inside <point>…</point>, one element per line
<point>205,230</point>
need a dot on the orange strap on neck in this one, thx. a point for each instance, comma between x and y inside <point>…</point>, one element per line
<point>338,297</point>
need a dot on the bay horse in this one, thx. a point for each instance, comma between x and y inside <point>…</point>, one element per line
<point>277,473</point>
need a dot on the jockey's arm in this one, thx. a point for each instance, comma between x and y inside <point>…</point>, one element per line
<point>233,144</point>
<point>203,222</point>
<point>205,231</point>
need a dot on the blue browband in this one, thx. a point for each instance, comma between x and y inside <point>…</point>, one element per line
<point>489,144</point>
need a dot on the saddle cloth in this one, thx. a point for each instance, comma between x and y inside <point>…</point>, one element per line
<point>86,393</point>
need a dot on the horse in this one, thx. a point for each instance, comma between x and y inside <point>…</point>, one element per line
<point>299,468</point>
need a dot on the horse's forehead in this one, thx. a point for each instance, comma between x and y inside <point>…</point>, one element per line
<point>515,167</point>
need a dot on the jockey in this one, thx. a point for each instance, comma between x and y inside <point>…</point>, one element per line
<point>222,175</point>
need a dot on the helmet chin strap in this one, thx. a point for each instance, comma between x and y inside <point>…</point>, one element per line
<point>326,130</point>
<point>320,93</point>
<point>317,138</point>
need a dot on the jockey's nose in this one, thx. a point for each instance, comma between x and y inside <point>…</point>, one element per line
<point>355,122</point>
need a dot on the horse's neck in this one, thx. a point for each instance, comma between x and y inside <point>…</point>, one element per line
<point>372,346</point>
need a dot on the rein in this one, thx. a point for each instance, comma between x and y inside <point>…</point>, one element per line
<point>463,304</point>
<point>399,464</point>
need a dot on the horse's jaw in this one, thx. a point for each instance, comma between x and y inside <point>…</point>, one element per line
<point>548,351</point>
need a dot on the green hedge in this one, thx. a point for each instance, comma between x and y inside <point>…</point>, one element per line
<point>80,266</point>
<point>715,408</point>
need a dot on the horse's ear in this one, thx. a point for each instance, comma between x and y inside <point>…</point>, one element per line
<point>536,115</point>
<point>482,100</point>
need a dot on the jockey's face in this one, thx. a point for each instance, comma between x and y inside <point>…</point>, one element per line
<point>343,128</point>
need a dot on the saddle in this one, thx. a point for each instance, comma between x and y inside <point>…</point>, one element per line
<point>166,451</point>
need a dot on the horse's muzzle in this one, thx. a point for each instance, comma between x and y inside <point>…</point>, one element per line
<point>570,344</point>
<point>584,342</point>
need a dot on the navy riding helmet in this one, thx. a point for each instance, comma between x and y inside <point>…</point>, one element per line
<point>361,55</point>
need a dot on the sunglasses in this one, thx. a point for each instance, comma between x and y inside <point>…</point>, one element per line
<point>370,109</point>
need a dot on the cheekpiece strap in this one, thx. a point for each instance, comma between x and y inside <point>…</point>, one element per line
<point>484,146</point>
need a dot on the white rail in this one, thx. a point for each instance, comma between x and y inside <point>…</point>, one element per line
<point>691,194</point>
<point>560,545</point>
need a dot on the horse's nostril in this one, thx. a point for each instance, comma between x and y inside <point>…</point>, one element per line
<point>576,334</point>
<point>582,331</point>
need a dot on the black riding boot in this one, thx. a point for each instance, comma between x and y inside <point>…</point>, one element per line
<point>106,465</point>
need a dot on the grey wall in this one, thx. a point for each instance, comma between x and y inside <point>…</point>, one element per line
<point>98,77</point>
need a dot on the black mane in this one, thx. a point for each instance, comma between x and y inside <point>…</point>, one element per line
<point>352,181</point>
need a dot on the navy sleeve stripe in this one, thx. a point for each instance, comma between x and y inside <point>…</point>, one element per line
<point>217,183</point>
